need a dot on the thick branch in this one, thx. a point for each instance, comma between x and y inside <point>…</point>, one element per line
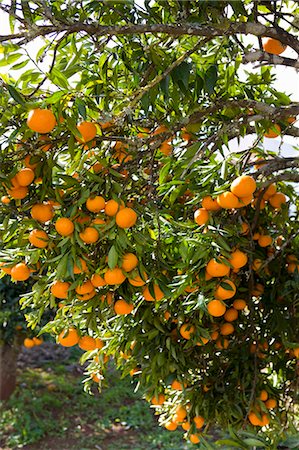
<point>210,31</point>
<point>271,59</point>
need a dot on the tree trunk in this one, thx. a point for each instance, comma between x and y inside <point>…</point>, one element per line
<point>8,367</point>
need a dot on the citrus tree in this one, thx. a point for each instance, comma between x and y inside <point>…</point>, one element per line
<point>153,236</point>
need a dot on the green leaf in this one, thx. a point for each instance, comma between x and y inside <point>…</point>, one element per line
<point>16,95</point>
<point>112,257</point>
<point>254,442</point>
<point>210,80</point>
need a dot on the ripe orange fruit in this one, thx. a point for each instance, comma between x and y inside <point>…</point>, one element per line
<point>194,438</point>
<point>224,292</point>
<point>171,426</point>
<point>85,288</point>
<point>202,341</point>
<point>273,46</point>
<point>264,240</point>
<point>239,304</point>
<point>4,269</point>
<point>28,343</point>
<point>181,413</point>
<point>238,259</point>
<point>201,216</point>
<point>217,269</point>
<point>244,228</point>
<point>126,218</point>
<point>98,221</point>
<point>138,281</point>
<point>199,421</point>
<point>64,226</point>
<point>5,199</point>
<point>20,272</point>
<point>114,276</point>
<point>187,330</point>
<point>28,163</point>
<point>89,235</point>
<point>243,186</point>
<point>176,385</point>
<point>244,201</point>
<point>226,329</point>
<point>18,193</point>
<point>263,395</point>
<point>210,204</point>
<point>41,120</point>
<point>277,200</point>
<point>69,339</point>
<point>273,132</point>
<point>129,262</point>
<point>253,419</point>
<point>231,315</point>
<point>25,177</point>
<point>186,426</point>
<point>165,148</point>
<point>42,212</point>
<point>87,296</point>
<point>60,289</point>
<point>256,264</point>
<point>157,292</point>
<point>38,238</point>
<point>271,190</point>
<point>95,204</point>
<point>112,207</point>
<point>37,341</point>
<point>222,344</point>
<point>216,308</point>
<point>97,280</point>
<point>227,200</point>
<point>271,403</point>
<point>121,307</point>
<point>87,130</point>
<point>158,400</point>
<point>87,343</point>
<point>81,267</point>
<point>99,343</point>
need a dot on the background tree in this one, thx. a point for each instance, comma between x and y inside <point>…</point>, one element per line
<point>152,238</point>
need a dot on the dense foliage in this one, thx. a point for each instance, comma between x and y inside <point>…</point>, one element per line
<point>153,238</point>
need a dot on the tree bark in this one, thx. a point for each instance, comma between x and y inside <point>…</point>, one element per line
<point>8,368</point>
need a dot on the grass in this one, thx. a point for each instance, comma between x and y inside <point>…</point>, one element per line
<point>50,410</point>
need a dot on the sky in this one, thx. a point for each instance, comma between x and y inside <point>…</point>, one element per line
<point>287,81</point>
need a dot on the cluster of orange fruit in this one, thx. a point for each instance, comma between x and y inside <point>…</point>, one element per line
<point>256,416</point>
<point>35,341</point>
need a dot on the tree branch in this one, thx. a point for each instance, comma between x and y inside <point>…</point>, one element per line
<point>272,59</point>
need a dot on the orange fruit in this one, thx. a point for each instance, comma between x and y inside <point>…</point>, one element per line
<point>181,413</point>
<point>37,341</point>
<point>239,304</point>
<point>253,419</point>
<point>98,221</point>
<point>244,228</point>
<point>38,238</point>
<point>226,329</point>
<point>41,120</point>
<point>273,132</point>
<point>222,344</point>
<point>292,267</point>
<point>42,212</point>
<point>216,308</point>
<point>263,395</point>
<point>81,267</point>
<point>165,148</point>
<point>202,341</point>
<point>60,289</point>
<point>223,292</point>
<point>271,403</point>
<point>28,343</point>
<point>64,226</point>
<point>112,207</point>
<point>114,276</point>
<point>177,386</point>
<point>264,240</point>
<point>273,46</point>
<point>25,176</point>
<point>244,201</point>
<point>201,216</point>
<point>87,296</point>
<point>187,330</point>
<point>95,204</point>
<point>97,280</point>
<point>126,218</point>
<point>99,343</point>
<point>157,292</point>
<point>129,262</point>
<point>243,186</point>
<point>5,199</point>
<point>186,426</point>
<point>4,269</point>
<point>194,438</point>
<point>171,426</point>
<point>121,307</point>
<point>238,259</point>
<point>209,204</point>
<point>42,139</point>
<point>87,343</point>
<point>68,339</point>
<point>257,264</point>
<point>89,235</point>
<point>20,272</point>
<point>271,190</point>
<point>85,288</point>
<point>265,420</point>
<point>28,163</point>
<point>277,200</point>
<point>87,130</point>
<point>18,193</point>
<point>231,315</point>
<point>227,200</point>
<point>158,400</point>
<point>199,421</point>
<point>138,281</point>
<point>217,269</point>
